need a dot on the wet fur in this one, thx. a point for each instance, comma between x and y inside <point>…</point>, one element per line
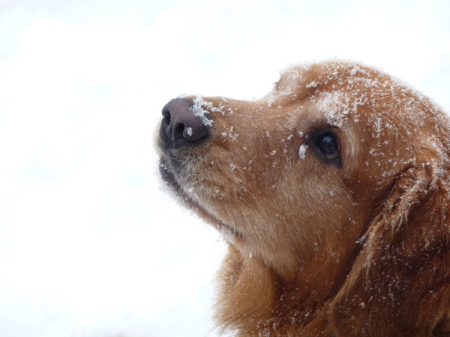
<point>318,249</point>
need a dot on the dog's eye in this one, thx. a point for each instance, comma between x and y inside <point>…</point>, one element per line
<point>328,145</point>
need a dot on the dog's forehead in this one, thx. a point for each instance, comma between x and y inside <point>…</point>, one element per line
<point>344,91</point>
<point>380,114</point>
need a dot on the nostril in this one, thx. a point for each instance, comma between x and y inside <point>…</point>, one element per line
<point>178,130</point>
<point>165,129</point>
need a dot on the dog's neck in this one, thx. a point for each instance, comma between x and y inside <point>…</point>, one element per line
<point>253,296</point>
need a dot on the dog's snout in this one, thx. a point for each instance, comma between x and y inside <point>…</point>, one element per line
<point>180,126</point>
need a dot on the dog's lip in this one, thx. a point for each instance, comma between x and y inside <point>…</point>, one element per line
<point>223,226</point>
<point>168,176</point>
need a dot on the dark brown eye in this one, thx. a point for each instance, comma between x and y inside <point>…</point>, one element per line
<point>328,145</point>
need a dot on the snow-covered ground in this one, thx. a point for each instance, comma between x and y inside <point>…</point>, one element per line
<point>89,243</point>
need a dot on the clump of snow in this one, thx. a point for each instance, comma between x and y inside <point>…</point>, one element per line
<point>335,106</point>
<point>302,151</point>
<point>354,70</point>
<point>189,131</point>
<point>198,110</point>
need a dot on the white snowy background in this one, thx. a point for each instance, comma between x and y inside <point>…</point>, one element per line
<point>89,244</point>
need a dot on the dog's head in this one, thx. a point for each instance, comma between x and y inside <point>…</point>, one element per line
<point>339,175</point>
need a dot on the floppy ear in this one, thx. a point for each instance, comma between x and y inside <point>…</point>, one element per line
<point>400,283</point>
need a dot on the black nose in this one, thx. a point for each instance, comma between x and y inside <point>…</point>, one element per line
<point>180,126</point>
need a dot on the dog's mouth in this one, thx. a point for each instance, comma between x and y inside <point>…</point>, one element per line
<point>192,203</point>
<point>185,130</point>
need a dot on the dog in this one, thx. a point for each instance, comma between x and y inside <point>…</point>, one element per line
<point>333,194</point>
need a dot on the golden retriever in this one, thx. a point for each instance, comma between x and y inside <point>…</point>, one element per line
<point>333,192</point>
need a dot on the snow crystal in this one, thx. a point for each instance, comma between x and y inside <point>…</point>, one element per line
<point>198,110</point>
<point>302,151</point>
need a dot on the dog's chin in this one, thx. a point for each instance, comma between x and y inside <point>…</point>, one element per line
<point>186,199</point>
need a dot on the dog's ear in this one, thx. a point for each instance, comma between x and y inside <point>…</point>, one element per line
<point>399,284</point>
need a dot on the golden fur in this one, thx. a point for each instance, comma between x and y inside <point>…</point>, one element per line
<point>358,247</point>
